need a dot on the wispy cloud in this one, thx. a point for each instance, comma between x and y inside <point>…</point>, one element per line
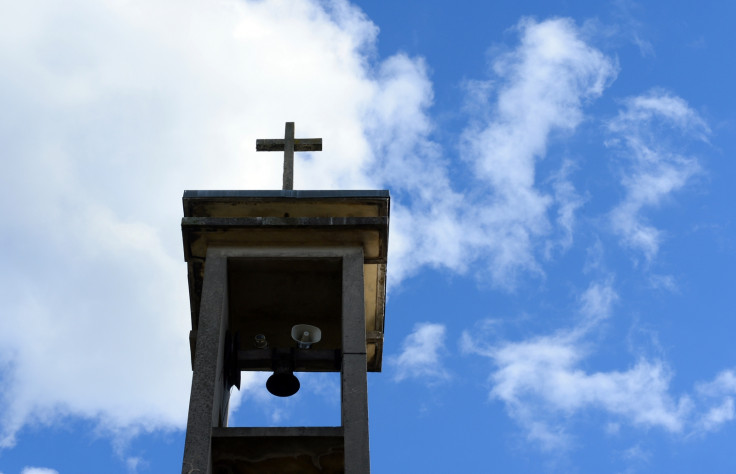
<point>568,202</point>
<point>632,29</point>
<point>117,109</point>
<point>544,384</point>
<point>502,220</point>
<point>596,303</point>
<point>38,470</point>
<point>540,89</point>
<point>720,393</point>
<point>421,355</point>
<point>655,168</point>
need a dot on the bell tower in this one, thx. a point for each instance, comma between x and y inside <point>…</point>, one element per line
<point>283,281</point>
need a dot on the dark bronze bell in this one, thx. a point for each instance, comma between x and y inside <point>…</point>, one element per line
<point>283,383</point>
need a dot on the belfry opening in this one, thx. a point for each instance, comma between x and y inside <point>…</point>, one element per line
<point>283,282</point>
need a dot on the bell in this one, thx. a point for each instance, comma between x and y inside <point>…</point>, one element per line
<point>283,383</point>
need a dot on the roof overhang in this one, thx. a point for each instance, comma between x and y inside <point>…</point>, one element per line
<point>293,219</point>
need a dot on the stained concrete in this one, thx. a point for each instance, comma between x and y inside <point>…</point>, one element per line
<point>295,450</point>
<point>206,399</point>
<point>263,219</point>
<point>246,276</point>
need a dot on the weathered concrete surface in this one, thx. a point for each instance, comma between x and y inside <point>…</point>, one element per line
<point>207,395</point>
<point>294,450</point>
<point>245,276</point>
<point>316,219</point>
<point>354,380</point>
<point>289,145</point>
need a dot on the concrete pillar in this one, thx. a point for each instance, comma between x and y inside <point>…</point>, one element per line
<point>209,397</point>
<point>208,388</point>
<point>354,380</point>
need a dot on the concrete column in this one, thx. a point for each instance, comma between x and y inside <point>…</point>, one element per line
<point>207,396</point>
<point>354,379</point>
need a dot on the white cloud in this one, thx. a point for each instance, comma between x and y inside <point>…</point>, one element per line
<point>636,453</point>
<point>542,87</point>
<point>420,354</point>
<point>568,202</point>
<point>111,110</point>
<point>118,107</point>
<point>656,168</point>
<point>544,384</point>
<point>665,282</point>
<point>548,369</point>
<point>133,463</point>
<point>718,415</point>
<point>501,219</point>
<point>38,470</point>
<point>725,382</point>
<point>719,394</point>
<point>545,82</point>
<point>658,104</point>
<point>596,304</point>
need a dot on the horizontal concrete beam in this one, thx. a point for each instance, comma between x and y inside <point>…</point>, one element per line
<point>305,360</point>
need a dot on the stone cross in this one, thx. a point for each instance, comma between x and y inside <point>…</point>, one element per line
<point>289,145</point>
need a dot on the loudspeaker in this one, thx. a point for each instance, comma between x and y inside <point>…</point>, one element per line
<point>305,335</point>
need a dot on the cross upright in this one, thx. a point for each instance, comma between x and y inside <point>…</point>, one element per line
<point>289,145</point>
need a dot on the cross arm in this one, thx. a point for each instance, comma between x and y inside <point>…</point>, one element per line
<point>300,144</point>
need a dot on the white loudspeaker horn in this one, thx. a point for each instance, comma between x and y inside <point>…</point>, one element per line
<point>305,335</point>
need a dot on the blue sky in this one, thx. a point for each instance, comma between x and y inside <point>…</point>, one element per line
<point>562,248</point>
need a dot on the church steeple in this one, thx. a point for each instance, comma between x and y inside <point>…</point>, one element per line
<point>259,263</point>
